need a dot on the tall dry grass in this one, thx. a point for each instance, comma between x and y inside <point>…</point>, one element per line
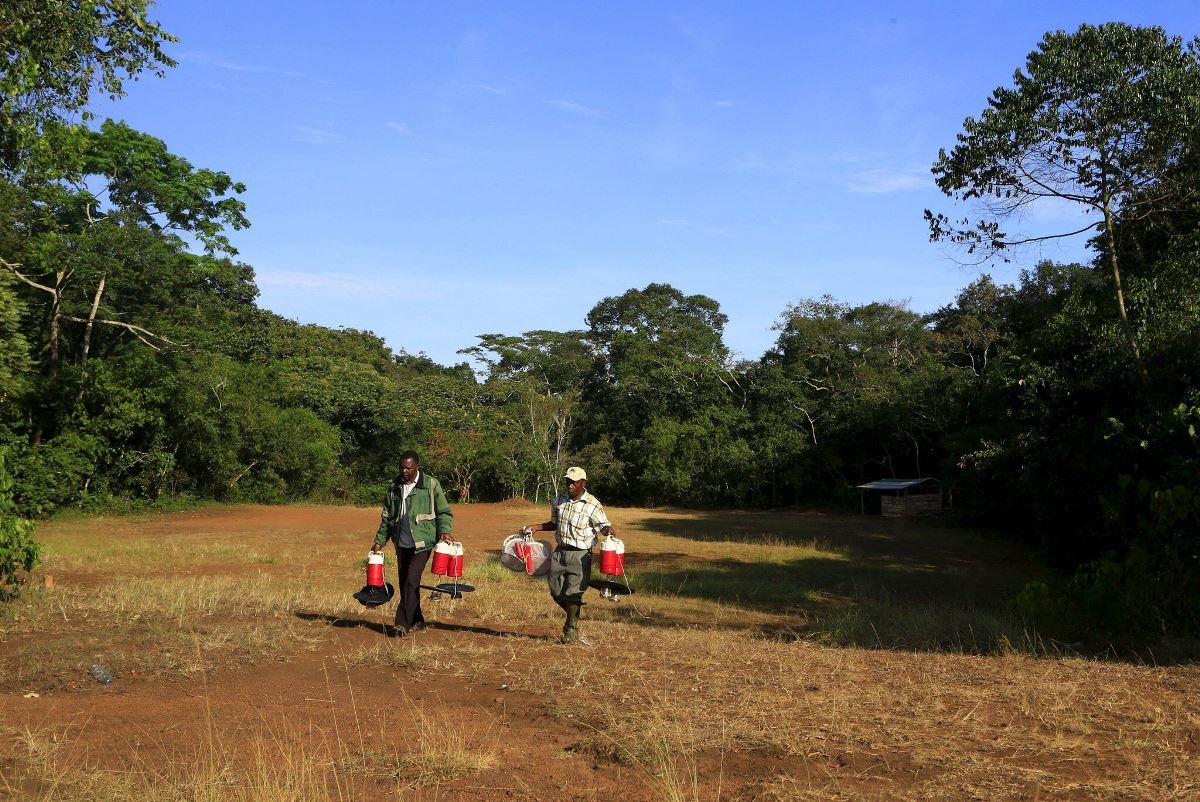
<point>331,758</point>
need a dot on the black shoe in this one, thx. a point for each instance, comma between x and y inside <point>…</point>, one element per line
<point>399,632</point>
<point>417,627</point>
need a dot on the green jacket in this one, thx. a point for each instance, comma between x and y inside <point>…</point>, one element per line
<point>429,515</point>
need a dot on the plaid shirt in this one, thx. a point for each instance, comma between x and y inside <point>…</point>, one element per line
<point>577,522</point>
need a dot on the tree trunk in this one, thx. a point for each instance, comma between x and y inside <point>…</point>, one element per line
<point>91,320</point>
<point>52,345</point>
<point>1126,327</point>
<point>87,337</point>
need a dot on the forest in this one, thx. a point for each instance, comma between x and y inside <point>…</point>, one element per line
<point>138,370</point>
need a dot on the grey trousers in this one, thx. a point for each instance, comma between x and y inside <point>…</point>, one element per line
<point>570,570</point>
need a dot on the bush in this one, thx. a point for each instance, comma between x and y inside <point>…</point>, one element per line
<point>18,550</point>
<point>58,473</point>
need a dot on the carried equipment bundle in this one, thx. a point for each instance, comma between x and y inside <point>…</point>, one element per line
<point>448,562</point>
<point>612,563</point>
<point>520,552</point>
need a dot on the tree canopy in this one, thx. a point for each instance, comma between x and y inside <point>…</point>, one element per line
<point>1100,118</point>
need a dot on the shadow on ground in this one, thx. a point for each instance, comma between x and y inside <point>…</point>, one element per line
<point>870,581</point>
<point>390,631</point>
<point>863,557</point>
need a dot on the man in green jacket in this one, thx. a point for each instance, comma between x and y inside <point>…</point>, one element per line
<point>415,516</point>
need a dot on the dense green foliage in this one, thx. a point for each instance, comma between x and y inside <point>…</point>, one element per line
<point>136,366</point>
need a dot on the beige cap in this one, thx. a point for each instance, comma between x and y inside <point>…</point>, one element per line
<point>575,473</point>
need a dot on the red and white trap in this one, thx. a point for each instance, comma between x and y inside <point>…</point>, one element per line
<point>612,556</point>
<point>448,562</point>
<point>520,552</point>
<point>376,591</point>
<point>612,563</point>
<point>447,559</point>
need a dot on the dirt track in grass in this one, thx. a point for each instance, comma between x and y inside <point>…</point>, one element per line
<point>763,657</point>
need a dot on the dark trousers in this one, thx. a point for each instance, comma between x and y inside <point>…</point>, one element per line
<point>411,564</point>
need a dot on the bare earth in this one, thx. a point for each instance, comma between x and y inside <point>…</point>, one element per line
<point>687,695</point>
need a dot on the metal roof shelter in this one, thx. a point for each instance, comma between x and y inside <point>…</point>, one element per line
<point>926,499</point>
<point>894,484</point>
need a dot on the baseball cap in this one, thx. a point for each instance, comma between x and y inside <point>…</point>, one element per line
<point>575,473</point>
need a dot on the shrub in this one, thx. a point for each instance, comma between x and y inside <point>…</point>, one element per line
<point>18,550</point>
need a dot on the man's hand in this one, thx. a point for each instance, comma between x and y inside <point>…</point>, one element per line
<point>376,548</point>
<point>447,537</point>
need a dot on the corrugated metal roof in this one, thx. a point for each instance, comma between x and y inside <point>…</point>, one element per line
<point>895,484</point>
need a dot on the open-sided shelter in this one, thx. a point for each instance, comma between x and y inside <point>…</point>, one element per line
<point>899,498</point>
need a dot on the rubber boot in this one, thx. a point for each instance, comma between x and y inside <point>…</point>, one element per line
<point>571,628</point>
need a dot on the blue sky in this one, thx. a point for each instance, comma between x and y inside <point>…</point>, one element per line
<point>434,171</point>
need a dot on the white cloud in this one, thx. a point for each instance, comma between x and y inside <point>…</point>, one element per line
<point>1059,210</point>
<point>231,66</point>
<point>339,284</point>
<point>577,109</point>
<point>882,181</point>
<point>227,65</point>
<point>495,90</point>
<point>315,136</point>
<point>400,128</point>
<point>683,224</point>
<point>752,162</point>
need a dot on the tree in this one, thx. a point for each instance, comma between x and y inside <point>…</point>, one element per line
<point>14,350</point>
<point>864,385</point>
<point>1099,118</point>
<point>74,245</point>
<point>972,333</point>
<point>661,379</point>
<point>659,346</point>
<point>545,371</point>
<point>54,55</point>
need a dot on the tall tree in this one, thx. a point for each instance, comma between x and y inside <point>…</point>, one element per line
<point>1099,118</point>
<point>122,203</point>
<point>545,371</point>
<point>662,383</point>
<point>55,54</point>
<point>864,385</point>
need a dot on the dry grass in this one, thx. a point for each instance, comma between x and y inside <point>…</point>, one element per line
<point>871,678</point>
<point>326,761</point>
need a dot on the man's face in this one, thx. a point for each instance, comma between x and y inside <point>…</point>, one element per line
<point>408,470</point>
<point>575,489</point>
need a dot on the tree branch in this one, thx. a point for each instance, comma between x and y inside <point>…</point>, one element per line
<point>136,331</point>
<point>12,268</point>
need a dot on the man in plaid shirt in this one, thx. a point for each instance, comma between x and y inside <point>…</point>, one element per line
<point>575,518</point>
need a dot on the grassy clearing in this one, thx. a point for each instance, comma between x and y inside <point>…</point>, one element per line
<point>769,658</point>
<point>775,582</point>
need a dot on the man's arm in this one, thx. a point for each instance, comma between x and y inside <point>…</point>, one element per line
<point>385,526</point>
<point>441,508</point>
